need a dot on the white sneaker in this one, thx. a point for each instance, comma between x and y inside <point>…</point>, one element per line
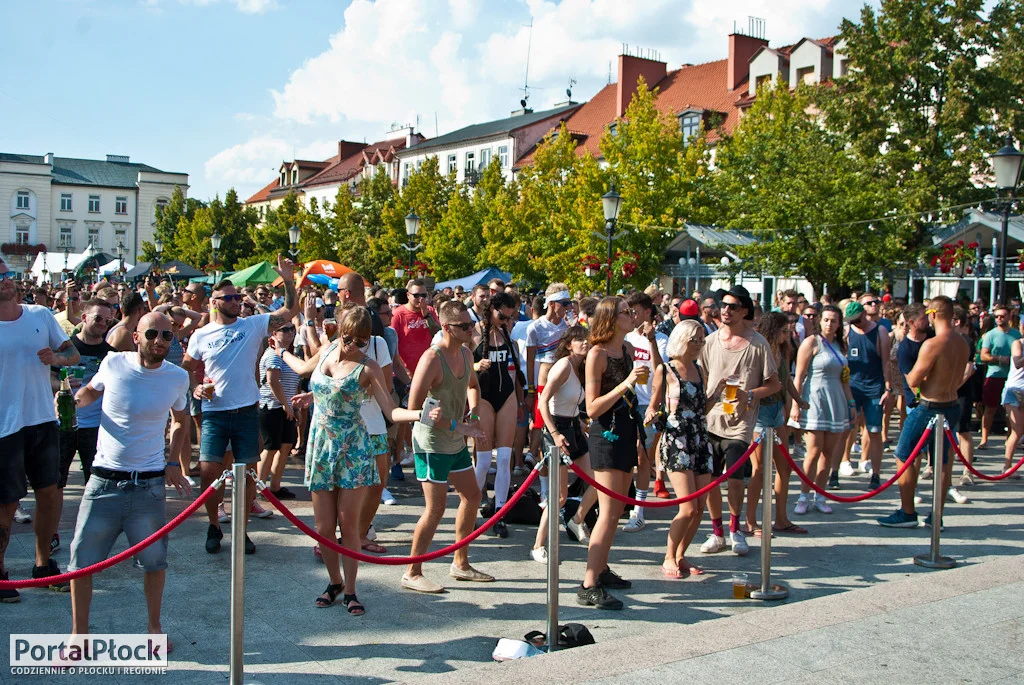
<point>540,555</point>
<point>259,512</point>
<point>386,498</point>
<point>802,505</point>
<point>22,516</point>
<point>222,515</point>
<point>966,480</point>
<point>714,543</point>
<point>580,530</point>
<point>371,534</point>
<point>856,448</point>
<point>958,497</point>
<point>918,499</point>
<point>865,466</point>
<point>739,544</point>
<point>634,524</point>
<point>821,504</point>
<point>846,469</point>
<point>926,472</point>
<point>407,458</point>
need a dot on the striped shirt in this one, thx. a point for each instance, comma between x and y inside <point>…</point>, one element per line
<point>289,380</point>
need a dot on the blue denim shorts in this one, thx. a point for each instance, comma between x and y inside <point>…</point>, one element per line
<point>769,416</point>
<point>914,427</point>
<point>870,409</point>
<point>138,508</point>
<point>239,428</point>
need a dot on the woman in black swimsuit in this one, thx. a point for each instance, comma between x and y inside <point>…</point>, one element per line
<point>497,367</point>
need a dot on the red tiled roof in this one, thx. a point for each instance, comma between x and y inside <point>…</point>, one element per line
<point>343,170</point>
<point>263,194</point>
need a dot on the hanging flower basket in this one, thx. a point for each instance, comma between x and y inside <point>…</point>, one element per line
<point>22,249</point>
<point>956,258</point>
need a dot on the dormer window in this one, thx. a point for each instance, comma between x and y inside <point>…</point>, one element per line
<point>284,179</point>
<point>613,128</point>
<point>689,124</point>
<point>295,176</point>
<point>805,75</point>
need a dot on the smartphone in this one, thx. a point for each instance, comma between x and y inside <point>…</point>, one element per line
<point>429,405</point>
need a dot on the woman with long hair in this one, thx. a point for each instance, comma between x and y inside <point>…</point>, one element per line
<point>611,405</point>
<point>775,328</point>
<point>502,402</point>
<point>823,379</point>
<point>560,406</point>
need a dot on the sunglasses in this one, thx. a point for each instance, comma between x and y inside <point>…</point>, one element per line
<point>731,306</point>
<point>461,326</point>
<point>151,334</point>
<point>287,329</point>
<point>503,317</point>
<point>7,275</point>
<point>418,295</point>
<point>871,303</point>
<point>348,340</point>
<point>230,298</point>
<point>810,316</point>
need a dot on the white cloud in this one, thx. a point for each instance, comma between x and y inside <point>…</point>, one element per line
<point>248,165</point>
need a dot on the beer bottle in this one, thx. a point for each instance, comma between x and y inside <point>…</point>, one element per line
<point>67,416</point>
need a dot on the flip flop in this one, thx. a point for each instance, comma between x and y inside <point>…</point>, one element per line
<point>374,548</point>
<point>674,573</point>
<point>792,529</point>
<point>692,569</point>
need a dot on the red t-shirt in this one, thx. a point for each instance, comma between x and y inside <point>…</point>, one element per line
<point>413,335</point>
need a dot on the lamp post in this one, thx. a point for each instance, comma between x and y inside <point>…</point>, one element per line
<point>120,257</point>
<point>158,245</point>
<point>610,203</point>
<point>1006,163</point>
<point>412,227</point>
<point>44,269</point>
<point>215,243</point>
<point>67,252</point>
<point>293,240</point>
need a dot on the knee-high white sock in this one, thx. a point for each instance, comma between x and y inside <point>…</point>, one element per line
<point>544,489</point>
<point>483,463</point>
<point>638,511</point>
<point>503,478</point>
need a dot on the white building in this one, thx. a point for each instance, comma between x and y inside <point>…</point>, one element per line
<point>62,203</point>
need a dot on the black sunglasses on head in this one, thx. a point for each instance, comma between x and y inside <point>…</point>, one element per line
<point>151,334</point>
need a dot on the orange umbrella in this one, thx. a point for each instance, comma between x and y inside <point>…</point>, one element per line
<point>319,266</point>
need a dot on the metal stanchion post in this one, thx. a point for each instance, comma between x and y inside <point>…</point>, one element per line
<point>767,591</point>
<point>554,515</point>
<point>933,559</point>
<point>238,514</point>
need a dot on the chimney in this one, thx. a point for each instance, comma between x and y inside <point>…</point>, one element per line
<point>123,159</point>
<point>347,148</point>
<point>630,69</point>
<point>48,158</point>
<point>741,49</point>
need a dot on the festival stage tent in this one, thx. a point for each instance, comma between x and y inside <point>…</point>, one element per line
<point>480,277</point>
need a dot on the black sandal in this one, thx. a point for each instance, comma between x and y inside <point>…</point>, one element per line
<point>332,593</point>
<point>353,606</point>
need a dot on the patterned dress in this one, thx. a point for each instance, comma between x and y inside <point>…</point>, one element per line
<point>685,443</point>
<point>340,453</point>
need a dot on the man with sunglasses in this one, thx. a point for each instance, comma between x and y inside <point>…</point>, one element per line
<point>415,322</point>
<point>996,346</point>
<point>134,392</point>
<point>122,334</point>
<point>228,349</point>
<point>30,343</point>
<point>72,314</point>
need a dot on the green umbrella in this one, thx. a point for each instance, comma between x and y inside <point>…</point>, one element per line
<point>254,275</point>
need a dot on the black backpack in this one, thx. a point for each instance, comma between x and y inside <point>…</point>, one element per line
<point>569,635</point>
<point>526,511</point>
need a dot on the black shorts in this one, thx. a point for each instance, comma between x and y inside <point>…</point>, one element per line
<point>276,429</point>
<point>573,432</point>
<point>620,452</point>
<point>725,453</point>
<point>82,441</point>
<point>30,456</point>
<point>966,409</point>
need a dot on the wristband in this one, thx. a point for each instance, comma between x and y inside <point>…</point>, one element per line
<point>310,322</point>
<point>172,464</point>
<point>473,417</point>
<point>851,404</point>
<point>454,423</point>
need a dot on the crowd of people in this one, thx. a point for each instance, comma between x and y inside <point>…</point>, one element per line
<point>647,393</point>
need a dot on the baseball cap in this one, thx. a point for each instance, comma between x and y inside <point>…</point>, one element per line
<point>854,310</point>
<point>688,309</point>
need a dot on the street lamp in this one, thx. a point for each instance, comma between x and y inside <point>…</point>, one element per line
<point>293,240</point>
<point>66,254</point>
<point>158,245</point>
<point>215,243</point>
<point>412,227</point>
<point>44,269</point>
<point>1006,164</point>
<point>610,203</point>
<point>120,257</point>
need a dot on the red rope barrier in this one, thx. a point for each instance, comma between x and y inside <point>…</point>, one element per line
<point>117,558</point>
<point>669,502</point>
<point>974,471</point>
<point>401,561</point>
<point>867,495</point>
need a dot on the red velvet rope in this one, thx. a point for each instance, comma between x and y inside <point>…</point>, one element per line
<point>974,471</point>
<point>669,502</point>
<point>867,495</point>
<point>400,561</point>
<point>117,558</point>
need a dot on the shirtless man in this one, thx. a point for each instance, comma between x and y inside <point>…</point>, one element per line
<point>939,371</point>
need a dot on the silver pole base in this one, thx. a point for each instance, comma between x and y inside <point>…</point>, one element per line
<point>938,562</point>
<point>775,593</point>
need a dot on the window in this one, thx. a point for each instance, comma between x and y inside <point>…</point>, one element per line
<point>284,179</point>
<point>161,203</point>
<point>689,124</point>
<point>94,237</point>
<point>65,202</point>
<point>842,67</point>
<point>23,199</point>
<point>485,158</point>
<point>21,236</point>
<point>503,156</point>
<point>67,234</point>
<point>295,176</point>
<point>120,236</point>
<point>470,161</point>
<point>453,164</point>
<point>94,203</point>
<point>121,205</point>
<point>405,174</point>
<point>763,81</point>
<point>613,128</point>
<point>805,75</point>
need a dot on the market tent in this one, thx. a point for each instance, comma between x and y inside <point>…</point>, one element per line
<point>173,268</point>
<point>480,277</point>
<point>257,274</point>
<point>110,267</point>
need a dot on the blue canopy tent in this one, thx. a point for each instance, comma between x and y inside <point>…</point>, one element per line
<point>478,278</point>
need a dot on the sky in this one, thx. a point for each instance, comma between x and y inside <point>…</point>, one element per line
<point>225,90</point>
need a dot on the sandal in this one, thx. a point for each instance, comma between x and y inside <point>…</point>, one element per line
<point>792,529</point>
<point>332,593</point>
<point>690,569</point>
<point>374,548</point>
<point>353,606</point>
<point>671,572</point>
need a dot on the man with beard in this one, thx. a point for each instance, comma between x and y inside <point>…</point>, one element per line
<point>126,492</point>
<point>481,302</point>
<point>31,341</point>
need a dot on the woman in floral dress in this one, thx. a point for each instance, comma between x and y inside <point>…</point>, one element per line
<point>685,446</point>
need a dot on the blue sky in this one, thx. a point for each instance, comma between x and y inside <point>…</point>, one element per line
<point>224,90</point>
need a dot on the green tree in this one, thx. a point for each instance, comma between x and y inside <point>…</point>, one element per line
<point>168,219</point>
<point>1005,40</point>
<point>317,240</point>
<point>377,197</point>
<point>797,188</point>
<point>264,242</point>
<point>350,235</point>
<point>452,247</point>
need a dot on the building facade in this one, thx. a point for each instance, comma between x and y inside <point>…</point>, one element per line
<point>62,203</point>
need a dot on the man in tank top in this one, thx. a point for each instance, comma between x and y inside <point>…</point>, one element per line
<point>869,380</point>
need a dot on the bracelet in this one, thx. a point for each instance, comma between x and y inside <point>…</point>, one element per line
<point>473,417</point>
<point>851,404</point>
<point>454,423</point>
<point>172,464</point>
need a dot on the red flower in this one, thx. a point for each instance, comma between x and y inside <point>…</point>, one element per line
<point>973,246</point>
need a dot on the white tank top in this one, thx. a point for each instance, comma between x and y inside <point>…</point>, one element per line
<point>1015,381</point>
<point>566,401</point>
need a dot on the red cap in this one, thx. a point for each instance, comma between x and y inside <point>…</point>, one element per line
<point>689,309</point>
<point>887,298</point>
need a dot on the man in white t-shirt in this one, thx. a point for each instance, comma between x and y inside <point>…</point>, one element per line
<point>228,349</point>
<point>542,338</point>
<point>31,341</point>
<point>650,349</point>
<point>126,491</point>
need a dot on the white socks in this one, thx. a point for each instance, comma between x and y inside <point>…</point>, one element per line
<point>638,511</point>
<point>503,478</point>
<point>483,464</point>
